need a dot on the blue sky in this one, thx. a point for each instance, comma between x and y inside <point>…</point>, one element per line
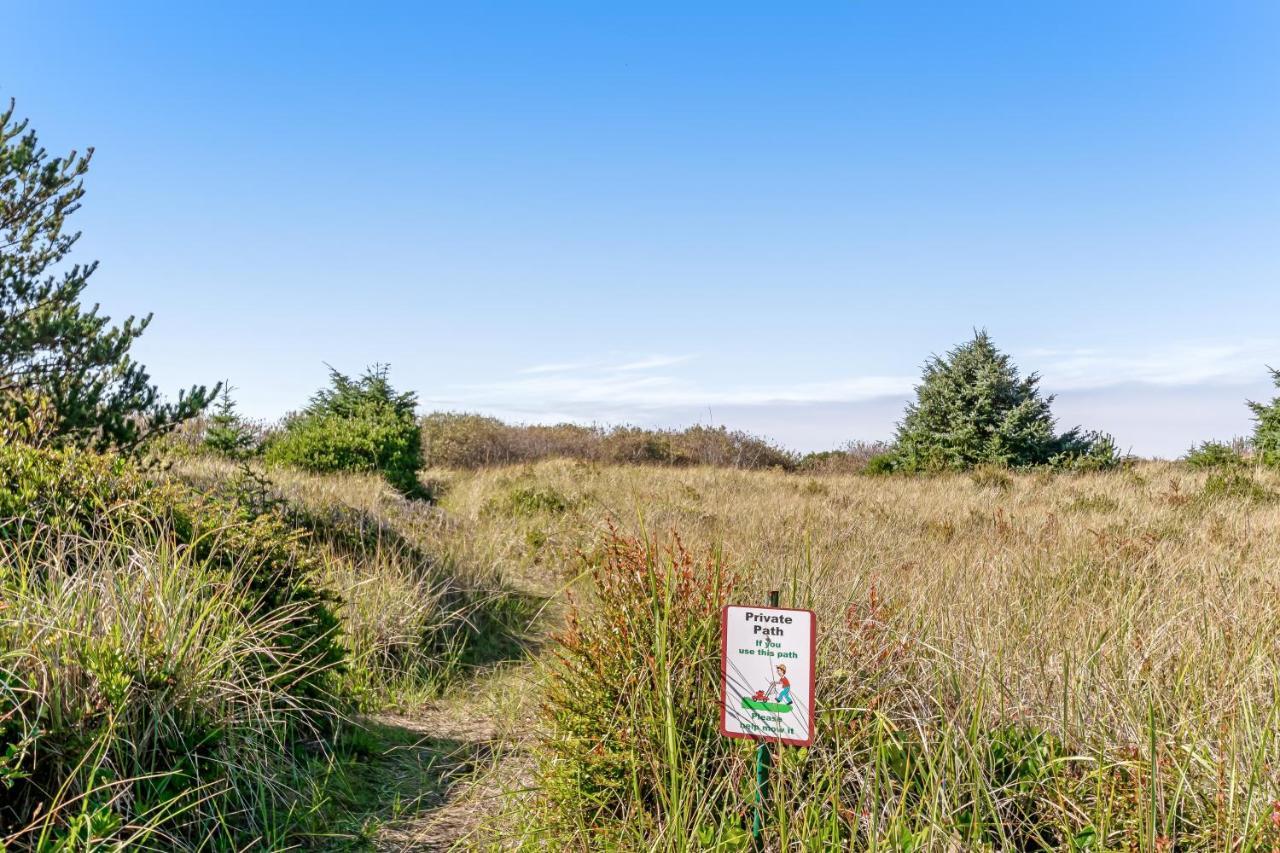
<point>757,214</point>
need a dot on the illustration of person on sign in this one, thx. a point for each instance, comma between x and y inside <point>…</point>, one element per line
<point>776,697</point>
<point>783,684</point>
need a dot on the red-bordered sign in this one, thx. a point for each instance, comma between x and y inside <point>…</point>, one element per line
<point>767,657</point>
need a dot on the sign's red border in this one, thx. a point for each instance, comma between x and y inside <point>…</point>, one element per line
<point>724,674</point>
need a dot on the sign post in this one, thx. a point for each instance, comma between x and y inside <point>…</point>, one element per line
<point>766,684</point>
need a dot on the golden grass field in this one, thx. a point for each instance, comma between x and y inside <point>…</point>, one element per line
<point>1122,613</point>
<point>1120,628</point>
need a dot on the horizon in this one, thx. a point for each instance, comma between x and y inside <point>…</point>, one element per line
<point>664,217</point>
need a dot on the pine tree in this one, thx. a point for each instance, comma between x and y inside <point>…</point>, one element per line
<point>228,434</point>
<point>62,364</point>
<point>1266,429</point>
<point>972,407</point>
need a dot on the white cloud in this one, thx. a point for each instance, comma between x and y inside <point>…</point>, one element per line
<point>641,383</point>
<point>1198,363</point>
<point>658,388</point>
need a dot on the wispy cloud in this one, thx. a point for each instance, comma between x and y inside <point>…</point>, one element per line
<point>642,386</point>
<point>1187,363</point>
<point>646,383</point>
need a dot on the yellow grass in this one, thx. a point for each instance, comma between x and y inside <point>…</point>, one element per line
<point>1120,612</point>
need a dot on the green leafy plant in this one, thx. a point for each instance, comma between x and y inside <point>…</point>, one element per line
<point>165,650</point>
<point>358,425</point>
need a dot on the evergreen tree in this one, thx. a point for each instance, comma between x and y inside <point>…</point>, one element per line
<point>1266,430</point>
<point>60,363</point>
<point>973,408</point>
<point>227,433</point>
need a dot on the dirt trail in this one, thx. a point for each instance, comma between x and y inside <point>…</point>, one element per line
<point>471,750</point>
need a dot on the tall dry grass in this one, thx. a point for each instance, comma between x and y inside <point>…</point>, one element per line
<point>1006,661</point>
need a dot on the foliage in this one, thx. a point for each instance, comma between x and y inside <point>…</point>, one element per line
<point>355,425</point>
<point>227,433</point>
<point>1238,485</point>
<point>854,458</point>
<point>1266,430</point>
<point>457,440</point>
<point>165,651</point>
<point>972,407</point>
<point>530,500</point>
<point>628,699</point>
<point>1214,454</point>
<point>59,361</point>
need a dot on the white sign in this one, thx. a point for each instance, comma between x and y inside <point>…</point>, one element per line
<point>766,664</point>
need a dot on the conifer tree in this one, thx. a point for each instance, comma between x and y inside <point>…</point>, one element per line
<point>228,434</point>
<point>972,407</point>
<point>61,363</point>
<point>1266,429</point>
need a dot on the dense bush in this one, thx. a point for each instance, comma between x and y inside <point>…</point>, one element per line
<point>972,407</point>
<point>854,458</point>
<point>454,440</point>
<point>358,425</point>
<point>162,652</point>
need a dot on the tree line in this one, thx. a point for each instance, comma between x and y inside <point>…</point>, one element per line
<point>67,379</point>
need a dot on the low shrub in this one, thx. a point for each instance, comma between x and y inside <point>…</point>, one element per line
<point>1214,454</point>
<point>456,440</point>
<point>1236,485</point>
<point>530,500</point>
<point>854,458</point>
<point>355,425</point>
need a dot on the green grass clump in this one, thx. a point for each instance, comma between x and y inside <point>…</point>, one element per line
<point>165,658</point>
<point>633,743</point>
<point>1236,485</point>
<point>529,501</point>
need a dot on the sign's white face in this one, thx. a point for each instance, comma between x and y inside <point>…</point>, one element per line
<point>767,674</point>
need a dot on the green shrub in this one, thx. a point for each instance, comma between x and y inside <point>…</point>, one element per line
<point>1236,485</point>
<point>226,433</point>
<point>356,425</point>
<point>164,653</point>
<point>882,463</point>
<point>853,458</point>
<point>1214,454</point>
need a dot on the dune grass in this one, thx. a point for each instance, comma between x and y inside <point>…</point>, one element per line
<point>1021,661</point>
